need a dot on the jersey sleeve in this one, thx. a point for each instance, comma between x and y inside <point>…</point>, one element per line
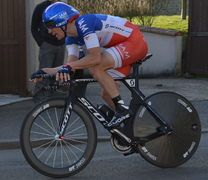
<point>72,46</point>
<point>91,41</point>
<point>86,29</point>
<point>73,49</point>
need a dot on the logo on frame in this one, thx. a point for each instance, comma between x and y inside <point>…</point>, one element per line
<point>131,82</point>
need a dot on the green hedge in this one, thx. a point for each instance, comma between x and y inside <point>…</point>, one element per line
<point>142,9</point>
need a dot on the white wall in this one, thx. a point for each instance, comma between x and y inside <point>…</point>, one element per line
<point>167,55</point>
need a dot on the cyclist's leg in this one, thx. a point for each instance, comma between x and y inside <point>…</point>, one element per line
<point>108,84</point>
<point>129,51</point>
<point>126,54</point>
<point>117,56</point>
<point>107,98</point>
<point>115,73</point>
<point>100,74</point>
<point>122,54</point>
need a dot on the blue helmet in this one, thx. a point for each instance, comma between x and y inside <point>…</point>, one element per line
<point>58,15</point>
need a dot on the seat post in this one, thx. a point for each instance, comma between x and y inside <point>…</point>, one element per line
<point>135,70</point>
<point>136,77</point>
<point>136,74</point>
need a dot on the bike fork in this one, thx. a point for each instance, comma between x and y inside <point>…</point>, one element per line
<point>65,121</point>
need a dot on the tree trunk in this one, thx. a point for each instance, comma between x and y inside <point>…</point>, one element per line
<point>184,9</point>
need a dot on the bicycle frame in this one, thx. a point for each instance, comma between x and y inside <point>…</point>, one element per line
<point>57,150</point>
<point>77,93</point>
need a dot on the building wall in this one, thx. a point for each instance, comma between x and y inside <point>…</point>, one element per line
<point>173,8</point>
<point>167,55</point>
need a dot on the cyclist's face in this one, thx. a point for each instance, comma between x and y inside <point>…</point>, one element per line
<point>57,32</point>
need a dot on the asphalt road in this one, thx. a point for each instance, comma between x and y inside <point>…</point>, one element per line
<point>108,164</point>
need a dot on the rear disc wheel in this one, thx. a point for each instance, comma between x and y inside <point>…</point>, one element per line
<point>172,149</point>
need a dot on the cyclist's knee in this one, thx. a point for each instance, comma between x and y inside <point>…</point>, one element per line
<point>95,70</point>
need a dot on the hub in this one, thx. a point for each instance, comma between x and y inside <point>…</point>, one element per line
<point>57,137</point>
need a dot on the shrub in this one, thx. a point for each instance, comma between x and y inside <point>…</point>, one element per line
<point>144,10</point>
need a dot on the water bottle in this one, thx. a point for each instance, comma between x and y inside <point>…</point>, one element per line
<point>106,111</point>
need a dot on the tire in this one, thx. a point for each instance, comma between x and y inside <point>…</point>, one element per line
<point>45,151</point>
<point>173,149</point>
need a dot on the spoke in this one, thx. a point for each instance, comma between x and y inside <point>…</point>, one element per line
<point>39,133</point>
<point>71,149</point>
<point>58,126</point>
<point>67,143</point>
<point>76,135</point>
<point>45,148</point>
<point>73,123</point>
<point>41,138</point>
<point>46,124</point>
<point>79,141</point>
<point>54,158</point>
<point>42,128</point>
<point>50,142</point>
<point>75,129</point>
<point>51,154</point>
<point>66,153</point>
<point>61,155</point>
<point>50,120</point>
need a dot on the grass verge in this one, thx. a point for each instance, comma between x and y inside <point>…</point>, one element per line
<point>173,22</point>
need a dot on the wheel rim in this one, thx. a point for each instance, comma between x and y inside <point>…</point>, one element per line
<point>53,150</point>
<point>176,148</point>
<point>38,135</point>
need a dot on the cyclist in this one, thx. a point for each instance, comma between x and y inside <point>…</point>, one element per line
<point>124,45</point>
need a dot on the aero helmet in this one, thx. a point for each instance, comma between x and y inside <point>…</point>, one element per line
<point>58,15</point>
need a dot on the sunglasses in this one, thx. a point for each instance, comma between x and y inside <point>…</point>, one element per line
<point>50,25</point>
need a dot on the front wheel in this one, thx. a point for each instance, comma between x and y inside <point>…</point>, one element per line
<point>46,151</point>
<point>172,149</point>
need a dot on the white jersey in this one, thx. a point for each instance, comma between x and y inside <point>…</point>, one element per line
<point>97,30</point>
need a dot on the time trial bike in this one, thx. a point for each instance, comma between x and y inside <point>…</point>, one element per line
<point>58,136</point>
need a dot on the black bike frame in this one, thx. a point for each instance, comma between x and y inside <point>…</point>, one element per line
<point>77,93</point>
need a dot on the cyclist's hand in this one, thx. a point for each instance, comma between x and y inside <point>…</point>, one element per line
<point>63,73</point>
<point>33,76</point>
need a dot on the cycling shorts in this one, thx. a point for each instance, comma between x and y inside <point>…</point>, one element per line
<point>131,50</point>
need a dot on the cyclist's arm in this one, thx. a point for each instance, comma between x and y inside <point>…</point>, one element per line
<point>47,71</point>
<point>73,53</point>
<point>93,58</point>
